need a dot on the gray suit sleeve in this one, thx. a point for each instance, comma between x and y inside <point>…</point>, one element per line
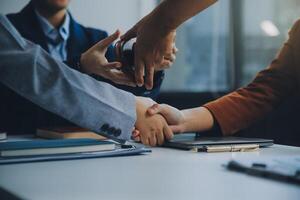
<point>31,72</point>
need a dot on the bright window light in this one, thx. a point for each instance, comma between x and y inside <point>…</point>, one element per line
<point>269,28</point>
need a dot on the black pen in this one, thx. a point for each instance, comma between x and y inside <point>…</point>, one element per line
<point>261,171</point>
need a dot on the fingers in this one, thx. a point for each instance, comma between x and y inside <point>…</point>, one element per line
<point>166,64</point>
<point>160,139</point>
<point>176,128</point>
<point>149,77</point>
<point>152,140</point>
<point>155,138</point>
<point>144,139</point>
<point>111,71</point>
<point>175,50</point>
<point>139,72</point>
<point>132,33</point>
<point>135,133</point>
<point>154,109</point>
<point>172,115</point>
<point>168,133</point>
<point>121,78</point>
<point>113,65</point>
<point>110,39</point>
<point>158,109</point>
<point>168,60</point>
<point>170,57</point>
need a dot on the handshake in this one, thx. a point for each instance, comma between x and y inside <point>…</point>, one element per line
<point>156,122</point>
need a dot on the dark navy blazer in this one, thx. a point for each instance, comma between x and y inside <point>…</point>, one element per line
<point>20,115</point>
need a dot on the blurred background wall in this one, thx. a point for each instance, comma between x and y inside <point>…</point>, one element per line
<point>104,14</point>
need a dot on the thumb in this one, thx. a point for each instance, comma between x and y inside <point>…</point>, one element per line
<point>131,33</point>
<point>113,65</point>
<point>110,39</point>
<point>160,109</point>
<point>154,109</point>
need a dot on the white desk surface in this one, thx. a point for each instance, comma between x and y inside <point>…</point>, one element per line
<point>163,174</point>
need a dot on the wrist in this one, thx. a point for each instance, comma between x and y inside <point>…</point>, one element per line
<point>164,19</point>
<point>162,23</point>
<point>197,119</point>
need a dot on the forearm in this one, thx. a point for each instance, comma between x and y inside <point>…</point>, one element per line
<point>197,119</point>
<point>31,72</point>
<point>172,13</point>
<point>242,108</point>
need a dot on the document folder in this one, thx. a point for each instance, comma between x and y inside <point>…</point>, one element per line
<point>128,151</point>
<point>108,149</point>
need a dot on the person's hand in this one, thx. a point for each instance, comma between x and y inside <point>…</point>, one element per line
<point>170,57</point>
<point>174,117</point>
<point>152,130</point>
<point>93,61</point>
<point>153,50</point>
<point>189,120</point>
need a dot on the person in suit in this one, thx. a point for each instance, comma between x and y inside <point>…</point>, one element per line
<point>49,24</point>
<point>29,71</point>
<point>271,89</point>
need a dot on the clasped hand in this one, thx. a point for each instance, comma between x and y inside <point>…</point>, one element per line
<point>156,123</point>
<point>160,121</point>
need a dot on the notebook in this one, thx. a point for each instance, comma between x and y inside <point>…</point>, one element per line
<point>128,150</point>
<point>191,141</point>
<point>67,132</point>
<point>49,147</point>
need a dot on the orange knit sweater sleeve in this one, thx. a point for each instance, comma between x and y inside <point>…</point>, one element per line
<point>246,105</point>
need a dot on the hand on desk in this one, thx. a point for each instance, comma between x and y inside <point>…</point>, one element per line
<point>93,61</point>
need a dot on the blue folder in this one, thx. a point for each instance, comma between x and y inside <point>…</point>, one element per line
<point>36,144</point>
<point>121,150</point>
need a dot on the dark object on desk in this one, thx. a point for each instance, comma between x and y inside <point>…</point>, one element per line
<point>50,147</point>
<point>261,170</point>
<point>190,141</point>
